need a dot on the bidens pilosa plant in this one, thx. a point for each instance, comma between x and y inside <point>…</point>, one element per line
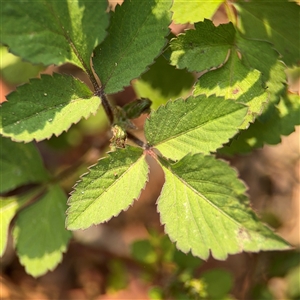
<point>239,101</point>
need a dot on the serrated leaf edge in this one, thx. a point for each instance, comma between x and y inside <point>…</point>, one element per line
<point>164,106</point>
<point>143,156</point>
<point>52,134</point>
<point>246,202</point>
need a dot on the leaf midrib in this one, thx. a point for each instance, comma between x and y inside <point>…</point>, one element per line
<point>193,129</point>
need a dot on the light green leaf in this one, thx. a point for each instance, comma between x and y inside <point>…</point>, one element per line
<point>203,48</point>
<point>46,106</point>
<point>110,187</point>
<point>39,234</point>
<point>261,56</point>
<point>136,36</point>
<point>235,81</point>
<point>54,32</point>
<point>192,11</point>
<point>198,124</point>
<point>163,82</point>
<point>19,164</point>
<point>276,21</point>
<point>281,121</point>
<point>204,209</point>
<point>8,209</point>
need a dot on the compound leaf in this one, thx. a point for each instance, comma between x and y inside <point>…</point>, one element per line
<point>39,234</point>
<point>19,164</point>
<point>163,82</point>
<point>53,32</point>
<point>110,187</point>
<point>191,11</point>
<point>203,48</point>
<point>8,209</point>
<point>136,36</point>
<point>197,124</point>
<point>281,121</point>
<point>45,107</point>
<point>204,208</point>
<point>262,20</point>
<point>235,81</point>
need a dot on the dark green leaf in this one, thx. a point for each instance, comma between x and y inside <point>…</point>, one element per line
<point>163,82</point>
<point>261,56</point>
<point>203,48</point>
<point>281,121</point>
<point>276,21</point>
<point>8,209</point>
<point>19,164</point>
<point>39,233</point>
<point>53,32</point>
<point>136,36</point>
<point>46,106</point>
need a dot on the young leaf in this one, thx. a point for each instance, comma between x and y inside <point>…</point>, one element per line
<point>203,48</point>
<point>110,187</point>
<point>19,164</point>
<point>261,56</point>
<point>8,209</point>
<point>192,11</point>
<point>163,82</point>
<point>203,208</point>
<point>263,20</point>
<point>282,121</point>
<point>136,36</point>
<point>46,106</point>
<point>235,81</point>
<point>54,32</point>
<point>39,234</point>
<point>198,124</point>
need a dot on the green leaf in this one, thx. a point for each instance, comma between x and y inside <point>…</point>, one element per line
<point>191,11</point>
<point>204,209</point>
<point>198,124</point>
<point>15,71</point>
<point>282,121</point>
<point>8,209</point>
<point>54,32</point>
<point>19,164</point>
<point>259,55</point>
<point>219,283</point>
<point>235,81</point>
<point>203,48</point>
<point>163,82</point>
<point>110,187</point>
<point>46,106</point>
<point>136,36</point>
<point>39,233</point>
<point>276,21</point>
<point>143,252</point>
